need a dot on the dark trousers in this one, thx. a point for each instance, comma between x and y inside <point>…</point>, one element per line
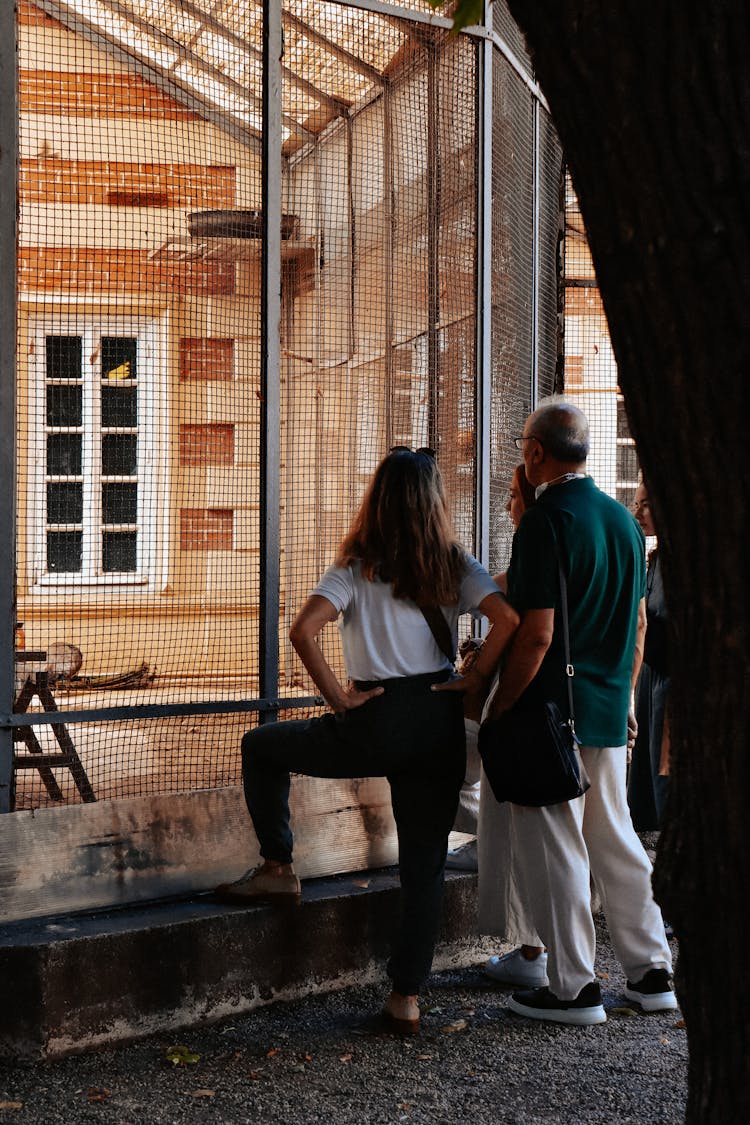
<point>412,736</point>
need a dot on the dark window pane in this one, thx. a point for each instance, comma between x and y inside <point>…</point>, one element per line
<point>119,551</point>
<point>119,455</point>
<point>119,406</point>
<point>64,551</point>
<point>626,495</point>
<point>64,503</point>
<point>623,430</point>
<point>64,357</point>
<point>119,357</point>
<point>627,463</point>
<point>64,455</point>
<point>64,406</point>
<point>119,503</point>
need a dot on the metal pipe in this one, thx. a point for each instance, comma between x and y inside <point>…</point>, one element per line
<point>389,241</point>
<point>10,722</point>
<point>352,242</point>
<point>433,241</point>
<point>8,235</point>
<point>535,258</point>
<point>483,416</point>
<point>270,365</point>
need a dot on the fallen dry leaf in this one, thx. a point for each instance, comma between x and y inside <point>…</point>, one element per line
<point>272,1053</point>
<point>680,1023</point>
<point>305,1058</point>
<point>423,1058</point>
<point>203,1094</point>
<point>624,1011</point>
<point>254,1075</point>
<point>97,1094</point>
<point>457,1025</point>
<point>11,1105</point>
<point>346,1058</point>
<point>360,882</point>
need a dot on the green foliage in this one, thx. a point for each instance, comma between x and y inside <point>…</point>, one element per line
<point>180,1055</point>
<point>467,12</point>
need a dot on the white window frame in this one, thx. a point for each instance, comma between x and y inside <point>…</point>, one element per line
<point>151,473</point>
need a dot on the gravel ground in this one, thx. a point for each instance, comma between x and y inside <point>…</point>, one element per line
<point>308,1061</point>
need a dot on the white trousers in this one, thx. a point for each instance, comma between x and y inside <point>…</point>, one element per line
<point>501,899</point>
<point>559,848</point>
<point>467,816</point>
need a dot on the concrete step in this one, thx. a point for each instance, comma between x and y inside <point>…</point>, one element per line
<point>76,982</point>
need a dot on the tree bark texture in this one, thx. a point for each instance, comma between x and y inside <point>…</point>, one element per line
<point>652,103</point>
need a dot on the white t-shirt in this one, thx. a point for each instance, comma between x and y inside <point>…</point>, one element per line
<point>384,637</point>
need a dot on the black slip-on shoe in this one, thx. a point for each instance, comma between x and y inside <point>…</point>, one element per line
<point>654,992</point>
<point>541,1004</point>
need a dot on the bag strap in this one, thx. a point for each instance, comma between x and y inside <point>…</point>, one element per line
<point>440,630</point>
<point>569,669</point>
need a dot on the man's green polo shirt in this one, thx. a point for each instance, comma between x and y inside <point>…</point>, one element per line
<point>603,555</point>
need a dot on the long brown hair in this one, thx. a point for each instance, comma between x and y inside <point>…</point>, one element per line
<point>402,532</point>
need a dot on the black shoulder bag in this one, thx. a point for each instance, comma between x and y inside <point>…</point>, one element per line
<point>530,753</point>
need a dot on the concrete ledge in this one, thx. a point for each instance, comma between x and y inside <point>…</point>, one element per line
<point>75,983</point>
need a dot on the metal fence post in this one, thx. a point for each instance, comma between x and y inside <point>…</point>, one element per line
<point>535,256</point>
<point>8,151</point>
<point>483,415</point>
<point>270,371</point>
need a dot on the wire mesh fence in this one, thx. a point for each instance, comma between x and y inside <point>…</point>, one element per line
<point>139,471</point>
<point>590,366</point>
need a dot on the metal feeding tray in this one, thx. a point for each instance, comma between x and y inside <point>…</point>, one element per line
<point>236,224</point>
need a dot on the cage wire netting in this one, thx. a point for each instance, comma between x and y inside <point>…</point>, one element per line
<point>590,368</point>
<point>139,413</point>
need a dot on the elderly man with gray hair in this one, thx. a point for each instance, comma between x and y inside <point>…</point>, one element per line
<point>601,549</point>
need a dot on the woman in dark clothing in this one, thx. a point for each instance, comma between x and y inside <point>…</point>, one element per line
<point>648,780</point>
<point>398,563</point>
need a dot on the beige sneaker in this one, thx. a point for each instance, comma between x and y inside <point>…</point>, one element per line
<point>257,885</point>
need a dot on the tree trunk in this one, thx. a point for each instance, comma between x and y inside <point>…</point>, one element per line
<point>652,103</point>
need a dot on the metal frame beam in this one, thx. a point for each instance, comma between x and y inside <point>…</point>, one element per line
<point>535,248</point>
<point>149,71</point>
<point>270,365</point>
<point>433,241</point>
<point>201,65</point>
<point>8,236</point>
<point>210,21</point>
<point>334,49</point>
<point>483,420</point>
<point>389,242</point>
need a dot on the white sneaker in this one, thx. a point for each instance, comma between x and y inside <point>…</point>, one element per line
<point>463,858</point>
<point>513,969</point>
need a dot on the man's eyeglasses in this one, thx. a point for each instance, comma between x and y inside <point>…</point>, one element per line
<point>518,441</point>
<point>408,449</point>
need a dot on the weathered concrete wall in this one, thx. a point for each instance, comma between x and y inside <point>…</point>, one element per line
<point>79,983</point>
<point>115,853</point>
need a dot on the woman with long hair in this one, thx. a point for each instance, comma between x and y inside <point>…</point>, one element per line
<point>398,564</point>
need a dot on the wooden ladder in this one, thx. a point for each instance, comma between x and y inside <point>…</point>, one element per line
<point>36,683</point>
